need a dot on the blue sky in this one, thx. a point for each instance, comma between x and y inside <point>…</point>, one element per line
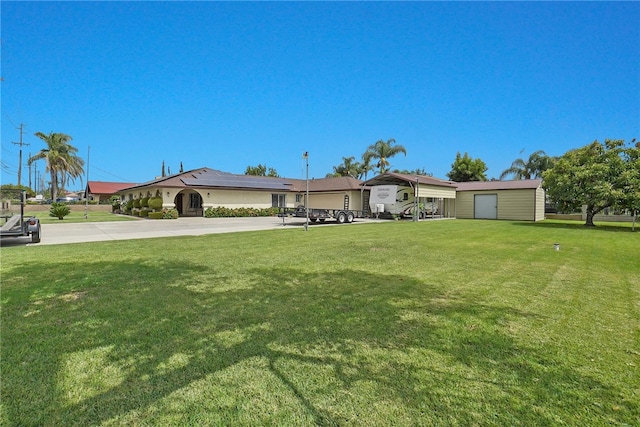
<point>233,84</point>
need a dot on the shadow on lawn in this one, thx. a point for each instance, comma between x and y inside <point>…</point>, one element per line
<point>576,225</point>
<point>417,349</point>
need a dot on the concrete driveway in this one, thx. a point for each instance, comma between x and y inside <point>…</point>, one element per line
<point>55,234</point>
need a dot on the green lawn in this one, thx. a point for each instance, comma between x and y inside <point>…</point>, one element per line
<point>451,323</point>
<point>79,217</point>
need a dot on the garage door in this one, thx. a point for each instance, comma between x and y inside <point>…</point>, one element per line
<point>486,206</point>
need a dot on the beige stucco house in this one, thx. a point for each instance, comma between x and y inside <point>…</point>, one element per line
<point>192,192</point>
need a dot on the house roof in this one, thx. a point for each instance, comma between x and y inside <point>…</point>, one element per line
<point>499,185</point>
<point>392,178</point>
<point>104,187</point>
<point>212,178</point>
<point>342,183</point>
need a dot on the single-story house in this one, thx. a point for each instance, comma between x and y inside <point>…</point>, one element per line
<point>192,192</point>
<point>521,200</point>
<point>103,190</point>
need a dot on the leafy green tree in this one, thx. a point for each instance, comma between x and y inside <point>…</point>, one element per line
<point>630,180</point>
<point>533,167</point>
<point>596,176</point>
<point>419,171</point>
<point>348,167</point>
<point>261,170</point>
<point>383,151</point>
<point>465,169</point>
<point>61,159</point>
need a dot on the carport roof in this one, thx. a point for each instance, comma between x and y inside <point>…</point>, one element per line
<point>392,178</point>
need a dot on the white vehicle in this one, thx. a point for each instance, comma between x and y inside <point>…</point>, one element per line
<point>399,200</point>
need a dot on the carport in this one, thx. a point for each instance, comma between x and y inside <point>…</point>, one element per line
<point>436,195</point>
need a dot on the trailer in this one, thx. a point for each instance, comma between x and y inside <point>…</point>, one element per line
<point>400,201</point>
<point>16,225</point>
<point>341,216</point>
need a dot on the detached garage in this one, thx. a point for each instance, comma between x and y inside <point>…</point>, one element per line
<point>513,200</point>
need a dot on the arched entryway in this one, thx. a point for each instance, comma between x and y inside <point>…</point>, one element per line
<point>189,203</point>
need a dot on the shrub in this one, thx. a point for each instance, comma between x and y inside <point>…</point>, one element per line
<point>156,215</point>
<point>136,203</point>
<point>155,203</point>
<point>222,212</point>
<point>144,213</point>
<point>169,213</point>
<point>144,202</point>
<point>59,210</point>
<point>116,204</point>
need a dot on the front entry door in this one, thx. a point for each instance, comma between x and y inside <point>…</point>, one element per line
<point>179,204</point>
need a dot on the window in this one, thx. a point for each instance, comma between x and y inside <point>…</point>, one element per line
<point>195,201</point>
<point>405,196</point>
<point>298,198</point>
<point>278,201</point>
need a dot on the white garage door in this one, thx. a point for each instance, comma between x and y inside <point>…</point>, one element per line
<point>486,206</point>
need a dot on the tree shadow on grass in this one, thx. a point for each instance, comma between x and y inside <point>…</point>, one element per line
<point>576,225</point>
<point>337,346</point>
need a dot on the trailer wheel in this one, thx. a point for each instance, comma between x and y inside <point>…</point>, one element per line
<point>321,219</point>
<point>35,236</point>
<point>313,219</point>
<point>341,218</point>
<point>350,217</point>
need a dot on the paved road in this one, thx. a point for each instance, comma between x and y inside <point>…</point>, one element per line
<point>54,234</point>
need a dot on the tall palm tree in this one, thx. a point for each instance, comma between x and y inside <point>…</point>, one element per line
<point>62,162</point>
<point>533,167</point>
<point>383,150</point>
<point>365,167</point>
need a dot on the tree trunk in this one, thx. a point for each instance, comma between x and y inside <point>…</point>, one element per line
<point>54,185</point>
<point>590,214</point>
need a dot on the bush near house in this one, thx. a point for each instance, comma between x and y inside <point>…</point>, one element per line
<point>156,215</point>
<point>222,212</point>
<point>169,213</point>
<point>155,203</point>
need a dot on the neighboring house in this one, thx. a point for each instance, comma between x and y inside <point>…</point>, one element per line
<point>192,192</point>
<point>513,200</point>
<point>102,190</point>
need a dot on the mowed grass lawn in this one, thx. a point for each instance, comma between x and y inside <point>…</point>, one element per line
<point>78,216</point>
<point>452,323</point>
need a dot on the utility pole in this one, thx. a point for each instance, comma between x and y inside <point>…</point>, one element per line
<point>20,161</point>
<point>30,173</point>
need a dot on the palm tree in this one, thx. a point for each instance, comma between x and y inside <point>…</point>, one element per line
<point>533,167</point>
<point>348,167</point>
<point>365,167</point>
<point>62,162</point>
<point>383,150</point>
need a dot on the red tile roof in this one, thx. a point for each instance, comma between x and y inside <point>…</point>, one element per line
<point>102,187</point>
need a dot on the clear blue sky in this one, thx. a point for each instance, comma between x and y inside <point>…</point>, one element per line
<point>227,85</point>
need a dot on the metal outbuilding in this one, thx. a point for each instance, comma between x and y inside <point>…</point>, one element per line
<point>521,200</point>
